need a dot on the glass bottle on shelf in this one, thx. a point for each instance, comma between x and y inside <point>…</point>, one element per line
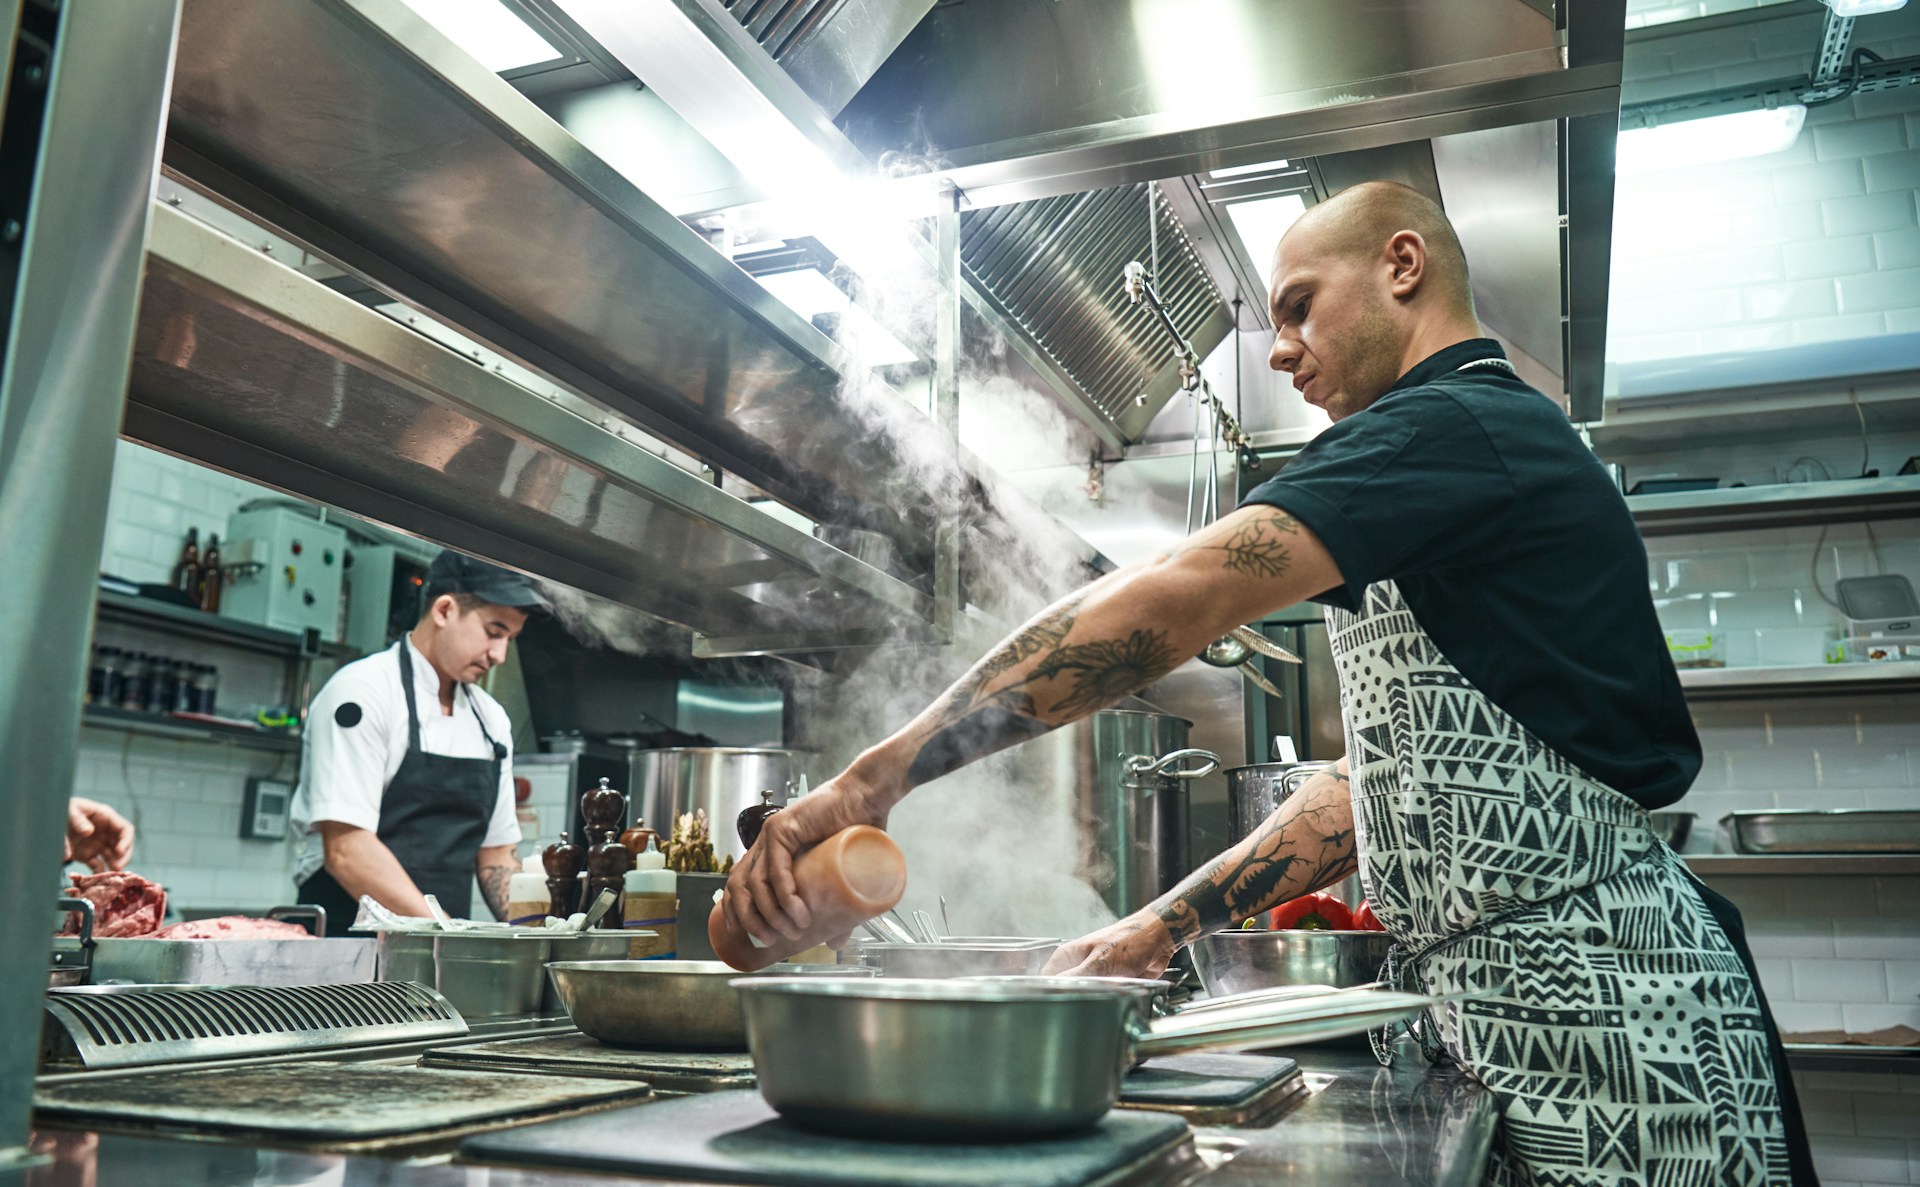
<point>186,570</point>
<point>206,688</point>
<point>134,682</point>
<point>100,675</point>
<point>161,671</point>
<point>210,577</point>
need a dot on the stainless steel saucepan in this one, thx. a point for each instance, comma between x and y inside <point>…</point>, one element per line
<point>985,1061</point>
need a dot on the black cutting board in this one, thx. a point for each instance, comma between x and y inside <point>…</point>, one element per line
<point>1212,1081</point>
<point>737,1138</point>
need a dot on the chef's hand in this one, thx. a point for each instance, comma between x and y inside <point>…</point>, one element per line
<point>1138,946</point>
<point>761,895</point>
<point>97,835</point>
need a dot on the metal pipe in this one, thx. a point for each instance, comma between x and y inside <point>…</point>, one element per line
<point>946,402</point>
<point>99,74</point>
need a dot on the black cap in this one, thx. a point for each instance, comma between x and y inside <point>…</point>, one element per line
<point>457,573</point>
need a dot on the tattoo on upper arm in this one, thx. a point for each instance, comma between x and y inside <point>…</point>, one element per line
<point>1258,548</point>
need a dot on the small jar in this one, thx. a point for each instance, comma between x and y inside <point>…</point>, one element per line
<point>135,682</point>
<point>206,688</point>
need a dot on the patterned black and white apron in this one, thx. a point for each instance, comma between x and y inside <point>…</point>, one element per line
<point>1627,1045</point>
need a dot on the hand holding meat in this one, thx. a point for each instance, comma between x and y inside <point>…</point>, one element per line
<point>1138,946</point>
<point>761,895</point>
<point>97,835</point>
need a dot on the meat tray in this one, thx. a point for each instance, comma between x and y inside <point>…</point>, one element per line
<point>1832,831</point>
<point>222,962</point>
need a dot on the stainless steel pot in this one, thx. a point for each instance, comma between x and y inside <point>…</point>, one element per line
<point>1235,962</point>
<point>721,779</point>
<point>1135,834</point>
<point>666,1003</point>
<point>1254,791</point>
<point>975,1060</point>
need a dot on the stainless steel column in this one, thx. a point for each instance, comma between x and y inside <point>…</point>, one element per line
<point>96,77</point>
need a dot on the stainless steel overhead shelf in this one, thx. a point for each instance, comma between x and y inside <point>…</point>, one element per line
<point>245,364</point>
<point>1785,505</point>
<point>1726,684</point>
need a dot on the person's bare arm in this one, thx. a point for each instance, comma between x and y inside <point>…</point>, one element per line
<point>1083,653</point>
<point>361,862</point>
<point>1307,843</point>
<point>495,866</point>
<point>97,835</point>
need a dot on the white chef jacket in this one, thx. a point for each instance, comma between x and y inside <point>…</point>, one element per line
<point>347,758</point>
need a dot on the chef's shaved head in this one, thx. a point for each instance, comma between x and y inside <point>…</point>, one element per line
<point>1364,286</point>
<point>1359,221</point>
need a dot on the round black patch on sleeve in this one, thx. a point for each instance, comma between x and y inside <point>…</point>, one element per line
<point>347,715</point>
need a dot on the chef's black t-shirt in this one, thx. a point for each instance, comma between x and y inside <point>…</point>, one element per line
<point>1514,551</point>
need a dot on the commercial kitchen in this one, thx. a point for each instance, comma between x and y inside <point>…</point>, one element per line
<point>731,377</point>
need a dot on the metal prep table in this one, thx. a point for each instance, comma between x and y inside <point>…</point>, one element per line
<point>1363,1125</point>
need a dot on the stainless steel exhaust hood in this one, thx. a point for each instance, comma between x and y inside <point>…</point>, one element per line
<point>245,364</point>
<point>1515,101</point>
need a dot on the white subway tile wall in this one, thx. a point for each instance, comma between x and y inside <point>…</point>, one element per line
<point>156,498</point>
<point>1819,242</point>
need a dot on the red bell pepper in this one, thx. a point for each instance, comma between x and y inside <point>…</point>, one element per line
<point>1363,919</point>
<point>1319,911</point>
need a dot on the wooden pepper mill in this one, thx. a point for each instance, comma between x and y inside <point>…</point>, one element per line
<point>607,866</point>
<point>564,861</point>
<point>602,808</point>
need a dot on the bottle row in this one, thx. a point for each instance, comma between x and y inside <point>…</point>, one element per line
<point>198,575</point>
<point>143,683</point>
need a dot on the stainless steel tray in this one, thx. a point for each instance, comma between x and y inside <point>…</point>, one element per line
<point>1843,830</point>
<point>223,962</point>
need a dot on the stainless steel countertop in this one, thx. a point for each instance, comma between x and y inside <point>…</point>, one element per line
<point>1363,1125</point>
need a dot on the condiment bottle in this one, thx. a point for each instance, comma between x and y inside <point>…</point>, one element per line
<point>750,821</point>
<point>845,880</point>
<point>564,860</point>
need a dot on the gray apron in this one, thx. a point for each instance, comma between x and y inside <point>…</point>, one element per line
<point>433,816</point>
<point>1627,1043</point>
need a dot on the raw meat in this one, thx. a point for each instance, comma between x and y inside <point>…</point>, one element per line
<point>233,927</point>
<point>123,904</point>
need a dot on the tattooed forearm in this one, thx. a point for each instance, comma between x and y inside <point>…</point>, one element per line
<point>1259,548</point>
<point>1305,844</point>
<point>1048,630</point>
<point>494,880</point>
<point>1102,671</point>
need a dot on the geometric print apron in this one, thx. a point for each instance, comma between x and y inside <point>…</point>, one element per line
<point>1625,1044</point>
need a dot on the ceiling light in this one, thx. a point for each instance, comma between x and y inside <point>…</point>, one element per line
<point>1704,141</point>
<point>809,293</point>
<point>1244,170</point>
<point>1853,8</point>
<point>1262,221</point>
<point>490,33</point>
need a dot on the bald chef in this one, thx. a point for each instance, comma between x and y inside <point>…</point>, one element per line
<point>406,785</point>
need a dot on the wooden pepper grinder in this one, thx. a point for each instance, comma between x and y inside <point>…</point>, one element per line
<point>752,819</point>
<point>607,866</point>
<point>602,808</point>
<point>564,861</point>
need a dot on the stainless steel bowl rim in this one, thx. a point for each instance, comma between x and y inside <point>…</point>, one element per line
<point>924,989</point>
<point>722,750</point>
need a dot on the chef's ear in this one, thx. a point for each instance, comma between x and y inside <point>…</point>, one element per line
<point>443,609</point>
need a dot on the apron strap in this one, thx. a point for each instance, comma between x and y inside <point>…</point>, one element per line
<point>406,687</point>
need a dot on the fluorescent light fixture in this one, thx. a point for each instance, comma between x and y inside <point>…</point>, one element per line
<point>1853,8</point>
<point>809,293</point>
<point>1261,222</point>
<point>1244,170</point>
<point>490,33</point>
<point>1704,141</point>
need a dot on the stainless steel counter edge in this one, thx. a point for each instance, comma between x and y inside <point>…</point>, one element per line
<point>1361,1125</point>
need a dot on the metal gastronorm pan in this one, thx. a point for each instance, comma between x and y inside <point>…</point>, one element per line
<point>1842,830</point>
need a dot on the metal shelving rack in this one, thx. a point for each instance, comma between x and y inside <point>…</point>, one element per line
<point>1794,504</point>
